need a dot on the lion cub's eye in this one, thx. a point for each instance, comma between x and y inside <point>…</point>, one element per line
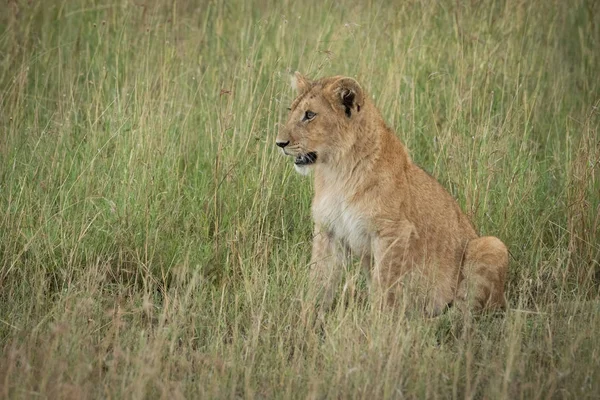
<point>309,115</point>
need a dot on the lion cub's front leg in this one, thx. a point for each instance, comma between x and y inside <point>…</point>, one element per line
<point>391,250</point>
<point>325,267</point>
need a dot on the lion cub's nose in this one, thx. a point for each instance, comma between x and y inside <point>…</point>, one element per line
<point>282,144</point>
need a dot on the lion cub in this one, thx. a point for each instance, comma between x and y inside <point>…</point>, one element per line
<point>372,202</point>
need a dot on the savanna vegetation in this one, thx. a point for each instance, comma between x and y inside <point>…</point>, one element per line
<point>154,244</point>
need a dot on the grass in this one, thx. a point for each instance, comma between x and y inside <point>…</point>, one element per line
<point>153,242</point>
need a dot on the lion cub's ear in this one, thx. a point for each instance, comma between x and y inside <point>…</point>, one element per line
<point>346,94</point>
<point>300,83</point>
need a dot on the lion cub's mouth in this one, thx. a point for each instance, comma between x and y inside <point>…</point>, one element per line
<point>306,159</point>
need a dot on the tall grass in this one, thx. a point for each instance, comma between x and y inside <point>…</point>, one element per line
<point>154,244</point>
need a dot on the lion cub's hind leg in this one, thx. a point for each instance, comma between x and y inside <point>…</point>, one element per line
<point>484,273</point>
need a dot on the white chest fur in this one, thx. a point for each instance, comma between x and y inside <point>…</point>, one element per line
<point>334,212</point>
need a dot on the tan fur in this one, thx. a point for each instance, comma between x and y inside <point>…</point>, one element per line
<point>371,201</point>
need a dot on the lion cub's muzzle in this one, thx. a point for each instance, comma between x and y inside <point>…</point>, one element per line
<point>301,159</point>
<point>306,159</point>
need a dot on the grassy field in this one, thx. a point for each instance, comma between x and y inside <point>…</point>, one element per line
<point>154,244</point>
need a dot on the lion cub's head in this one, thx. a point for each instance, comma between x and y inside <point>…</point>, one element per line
<point>320,124</point>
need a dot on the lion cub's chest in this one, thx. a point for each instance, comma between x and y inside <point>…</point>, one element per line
<point>344,220</point>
